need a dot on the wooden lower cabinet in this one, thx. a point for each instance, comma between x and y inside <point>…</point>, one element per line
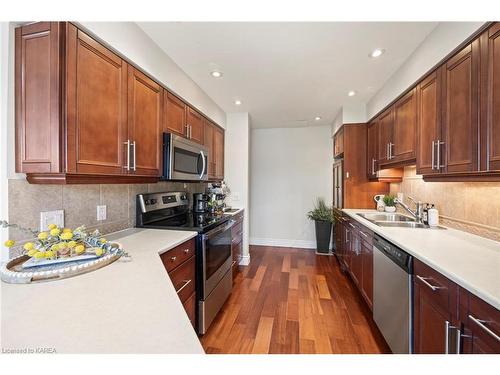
<point>237,242</point>
<point>354,252</point>
<point>180,264</point>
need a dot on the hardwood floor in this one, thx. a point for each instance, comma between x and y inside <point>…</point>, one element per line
<point>293,301</point>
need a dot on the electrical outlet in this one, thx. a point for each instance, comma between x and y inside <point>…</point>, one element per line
<point>101,213</point>
<point>51,217</point>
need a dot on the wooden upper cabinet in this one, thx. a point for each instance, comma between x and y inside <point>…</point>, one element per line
<point>219,152</point>
<point>404,129</point>
<point>338,143</point>
<point>195,126</point>
<point>38,113</point>
<point>209,143</point>
<point>144,123</point>
<point>428,122</point>
<point>460,111</point>
<point>372,150</point>
<point>385,128</point>
<point>175,115</point>
<point>96,106</point>
<point>491,150</point>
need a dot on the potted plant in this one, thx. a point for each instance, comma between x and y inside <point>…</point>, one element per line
<point>323,220</point>
<point>390,203</point>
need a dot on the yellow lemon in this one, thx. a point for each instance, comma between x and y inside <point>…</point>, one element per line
<point>66,230</point>
<point>71,244</point>
<point>39,254</point>
<point>98,252</point>
<point>49,254</point>
<point>55,232</point>
<point>62,245</point>
<point>51,226</point>
<point>32,253</point>
<point>43,235</point>
<point>9,243</point>
<point>66,236</point>
<point>28,246</point>
<point>79,249</point>
<point>54,247</point>
<point>103,240</point>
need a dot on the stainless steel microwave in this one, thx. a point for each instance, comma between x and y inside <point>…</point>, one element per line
<point>183,159</point>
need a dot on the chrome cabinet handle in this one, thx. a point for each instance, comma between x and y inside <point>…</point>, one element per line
<point>135,161</point>
<point>446,337</point>
<point>481,324</point>
<point>232,264</point>
<point>186,251</point>
<point>373,166</point>
<point>390,150</point>
<point>127,167</point>
<point>363,234</point>
<point>187,131</point>
<point>433,155</point>
<point>173,259</point>
<point>203,168</point>
<point>350,224</point>
<point>424,280</point>
<point>438,144</point>
<point>186,283</point>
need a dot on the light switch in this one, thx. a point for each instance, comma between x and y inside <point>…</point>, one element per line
<point>101,213</point>
<point>51,217</point>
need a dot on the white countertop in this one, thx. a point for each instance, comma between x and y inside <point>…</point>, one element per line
<point>125,307</point>
<point>471,261</point>
<point>238,210</point>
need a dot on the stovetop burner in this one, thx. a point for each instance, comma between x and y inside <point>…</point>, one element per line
<point>199,222</point>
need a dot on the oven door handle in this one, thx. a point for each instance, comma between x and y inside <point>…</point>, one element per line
<point>220,229</point>
<point>204,165</point>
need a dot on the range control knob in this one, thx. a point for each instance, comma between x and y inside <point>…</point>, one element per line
<point>153,201</point>
<point>146,202</point>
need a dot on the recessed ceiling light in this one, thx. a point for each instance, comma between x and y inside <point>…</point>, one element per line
<point>317,118</point>
<point>237,102</point>
<point>351,93</point>
<point>377,52</point>
<point>216,74</point>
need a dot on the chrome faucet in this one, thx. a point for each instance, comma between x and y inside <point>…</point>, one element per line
<point>418,213</point>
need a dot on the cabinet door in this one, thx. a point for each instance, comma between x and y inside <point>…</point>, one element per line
<point>367,265</point>
<point>174,115</point>
<point>428,122</point>
<point>460,111</point>
<point>96,107</point>
<point>338,140</point>
<point>37,98</point>
<point>209,143</point>
<point>405,126</point>
<point>195,125</point>
<point>385,125</point>
<point>144,125</point>
<point>219,152</point>
<point>493,100</point>
<point>372,144</point>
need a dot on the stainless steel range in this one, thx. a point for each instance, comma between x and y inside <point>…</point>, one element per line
<point>214,280</point>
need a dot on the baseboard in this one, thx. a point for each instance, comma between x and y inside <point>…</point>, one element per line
<point>278,242</point>
<point>245,260</point>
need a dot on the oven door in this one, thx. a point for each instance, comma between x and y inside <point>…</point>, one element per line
<point>217,257</point>
<point>184,160</point>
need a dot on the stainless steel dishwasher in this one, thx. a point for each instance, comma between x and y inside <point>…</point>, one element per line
<point>393,295</point>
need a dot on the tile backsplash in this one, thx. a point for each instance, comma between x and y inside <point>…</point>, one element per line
<point>79,203</point>
<point>469,206</point>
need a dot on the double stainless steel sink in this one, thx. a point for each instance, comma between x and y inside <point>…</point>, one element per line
<point>395,220</point>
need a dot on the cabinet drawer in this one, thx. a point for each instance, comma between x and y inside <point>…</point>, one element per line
<point>238,218</point>
<point>442,290</point>
<point>173,258</point>
<point>237,229</point>
<point>190,307</point>
<point>183,278</point>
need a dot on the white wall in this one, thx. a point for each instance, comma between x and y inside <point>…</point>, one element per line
<point>439,43</point>
<point>236,169</point>
<point>289,168</point>
<point>4,66</point>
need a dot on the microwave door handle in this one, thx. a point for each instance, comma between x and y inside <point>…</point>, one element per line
<point>204,165</point>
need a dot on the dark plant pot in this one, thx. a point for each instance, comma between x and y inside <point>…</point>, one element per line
<point>323,235</point>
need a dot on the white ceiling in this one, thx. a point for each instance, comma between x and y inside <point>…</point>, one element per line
<point>287,73</point>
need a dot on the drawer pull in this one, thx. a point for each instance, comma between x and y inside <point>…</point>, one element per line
<point>234,262</point>
<point>173,259</point>
<point>363,234</point>
<point>186,283</point>
<point>186,251</point>
<point>424,280</point>
<point>481,324</point>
